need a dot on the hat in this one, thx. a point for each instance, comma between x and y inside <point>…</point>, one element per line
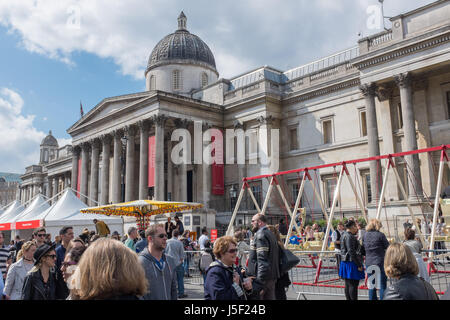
<point>115,233</point>
<point>42,251</point>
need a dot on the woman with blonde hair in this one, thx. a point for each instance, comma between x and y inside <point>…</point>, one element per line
<point>108,270</point>
<point>402,268</point>
<point>375,245</point>
<point>18,271</point>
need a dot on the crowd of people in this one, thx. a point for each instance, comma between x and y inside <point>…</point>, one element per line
<point>152,264</point>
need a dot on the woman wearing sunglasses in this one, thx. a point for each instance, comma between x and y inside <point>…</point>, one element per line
<point>41,282</point>
<point>223,279</point>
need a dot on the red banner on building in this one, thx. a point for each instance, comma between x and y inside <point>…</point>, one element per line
<point>79,178</point>
<point>151,161</point>
<point>217,170</point>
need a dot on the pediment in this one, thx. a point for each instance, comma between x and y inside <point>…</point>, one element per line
<point>108,107</point>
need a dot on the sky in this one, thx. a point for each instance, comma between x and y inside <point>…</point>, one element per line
<point>56,54</point>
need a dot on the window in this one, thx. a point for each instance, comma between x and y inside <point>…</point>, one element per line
<point>176,80</point>
<point>256,189</point>
<point>363,123</point>
<point>330,188</point>
<point>293,139</point>
<point>327,131</point>
<point>367,189</point>
<point>204,79</point>
<point>152,83</point>
<point>295,191</point>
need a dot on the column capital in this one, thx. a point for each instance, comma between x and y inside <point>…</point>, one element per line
<point>144,125</point>
<point>130,130</point>
<point>182,123</point>
<point>238,125</point>
<point>106,138</point>
<point>117,133</point>
<point>76,149</point>
<point>206,125</point>
<point>384,92</point>
<point>95,143</point>
<point>159,120</point>
<point>85,146</point>
<point>368,89</point>
<point>403,79</point>
<point>265,120</point>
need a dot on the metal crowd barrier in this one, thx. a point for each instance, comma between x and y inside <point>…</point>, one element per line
<point>310,278</point>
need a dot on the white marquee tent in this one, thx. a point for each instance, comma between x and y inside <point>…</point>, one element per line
<point>23,223</point>
<point>12,212</point>
<point>66,212</point>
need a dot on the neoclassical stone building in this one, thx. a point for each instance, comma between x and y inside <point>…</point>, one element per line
<point>389,93</point>
<point>51,175</point>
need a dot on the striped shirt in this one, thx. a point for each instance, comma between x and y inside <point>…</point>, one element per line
<point>4,254</point>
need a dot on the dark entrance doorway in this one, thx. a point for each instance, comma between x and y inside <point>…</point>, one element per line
<point>189,187</point>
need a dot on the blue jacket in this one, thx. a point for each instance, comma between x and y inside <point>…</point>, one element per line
<point>375,245</point>
<point>219,283</point>
<point>141,244</point>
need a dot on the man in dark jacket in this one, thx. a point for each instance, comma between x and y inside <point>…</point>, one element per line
<point>264,261</point>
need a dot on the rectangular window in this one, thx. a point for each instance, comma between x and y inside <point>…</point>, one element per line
<point>293,139</point>
<point>367,189</point>
<point>330,188</point>
<point>256,189</point>
<point>295,190</point>
<point>327,132</point>
<point>363,124</point>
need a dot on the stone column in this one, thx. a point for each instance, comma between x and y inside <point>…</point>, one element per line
<point>206,173</point>
<point>106,151</point>
<point>143,159</point>
<point>66,180</point>
<point>75,158</point>
<point>84,171</point>
<point>265,124</point>
<point>130,132</point>
<point>50,188</point>
<point>376,181</point>
<point>159,122</point>
<point>93,194</point>
<point>182,171</point>
<point>403,81</point>
<point>117,168</point>
<point>55,187</point>
<point>170,194</point>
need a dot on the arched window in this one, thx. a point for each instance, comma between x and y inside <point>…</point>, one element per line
<point>176,80</point>
<point>152,82</point>
<point>204,79</point>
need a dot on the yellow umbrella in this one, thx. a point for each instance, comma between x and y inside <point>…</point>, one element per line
<point>142,209</point>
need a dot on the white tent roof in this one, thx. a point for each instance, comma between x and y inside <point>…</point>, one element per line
<point>13,210</point>
<point>36,207</point>
<point>67,211</point>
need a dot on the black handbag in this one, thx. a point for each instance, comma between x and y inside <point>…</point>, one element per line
<point>288,260</point>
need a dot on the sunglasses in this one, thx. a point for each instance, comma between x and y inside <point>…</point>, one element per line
<point>162,235</point>
<point>41,235</point>
<point>232,250</point>
<point>53,256</point>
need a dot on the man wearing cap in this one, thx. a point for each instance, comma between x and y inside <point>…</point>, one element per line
<point>102,228</point>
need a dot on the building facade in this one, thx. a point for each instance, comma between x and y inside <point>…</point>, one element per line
<point>389,93</point>
<point>9,184</point>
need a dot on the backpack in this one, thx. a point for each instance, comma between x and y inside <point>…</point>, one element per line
<point>205,260</point>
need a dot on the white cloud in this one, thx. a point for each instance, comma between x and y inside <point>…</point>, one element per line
<point>19,146</point>
<point>245,35</point>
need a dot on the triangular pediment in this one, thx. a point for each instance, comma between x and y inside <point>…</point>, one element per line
<point>108,107</point>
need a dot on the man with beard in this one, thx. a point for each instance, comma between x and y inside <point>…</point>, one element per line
<point>264,260</point>
<point>159,267</point>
